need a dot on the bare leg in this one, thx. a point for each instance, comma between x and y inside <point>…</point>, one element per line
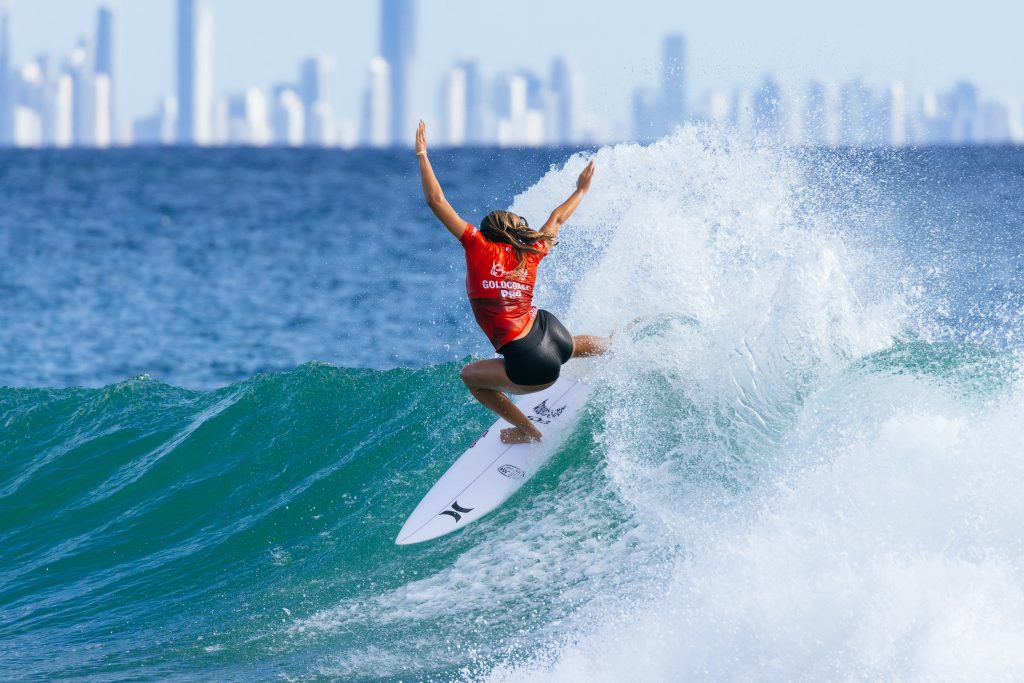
<point>487,381</point>
<point>584,346</point>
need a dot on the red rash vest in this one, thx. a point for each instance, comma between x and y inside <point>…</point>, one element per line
<point>501,296</point>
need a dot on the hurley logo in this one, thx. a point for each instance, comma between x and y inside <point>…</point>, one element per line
<point>456,512</point>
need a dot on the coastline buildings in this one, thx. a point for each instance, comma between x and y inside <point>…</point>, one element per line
<point>70,101</point>
<point>567,92</point>
<point>195,73</point>
<point>377,117</point>
<point>317,95</point>
<point>656,114</point>
<point>105,61</point>
<point>397,47</point>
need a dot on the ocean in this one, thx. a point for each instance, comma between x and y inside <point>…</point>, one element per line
<point>228,376</point>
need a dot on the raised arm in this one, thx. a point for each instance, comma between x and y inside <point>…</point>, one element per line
<point>432,189</point>
<point>560,215</point>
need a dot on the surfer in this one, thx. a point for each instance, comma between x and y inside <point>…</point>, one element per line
<point>502,256</point>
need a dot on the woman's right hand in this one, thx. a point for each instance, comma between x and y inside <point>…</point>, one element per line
<point>421,138</point>
<point>583,182</point>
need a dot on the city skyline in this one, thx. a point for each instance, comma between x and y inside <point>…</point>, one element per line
<point>519,105</point>
<point>930,44</point>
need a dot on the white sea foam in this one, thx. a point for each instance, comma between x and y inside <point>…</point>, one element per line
<point>895,553</point>
<point>837,522</point>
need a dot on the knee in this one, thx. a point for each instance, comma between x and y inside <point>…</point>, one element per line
<point>466,375</point>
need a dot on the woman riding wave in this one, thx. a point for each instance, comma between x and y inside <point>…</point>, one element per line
<point>502,256</point>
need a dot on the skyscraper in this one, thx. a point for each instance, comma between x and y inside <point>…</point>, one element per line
<point>768,109</point>
<point>453,107</point>
<point>963,108</point>
<point>63,111</point>
<point>894,115</point>
<point>80,70</point>
<point>101,133</point>
<point>315,79</point>
<point>195,72</point>
<point>821,114</point>
<point>249,119</point>
<point>857,105</point>
<point>377,105</point>
<point>6,101</point>
<point>645,125</point>
<point>397,47</point>
<point>567,84</point>
<point>1000,122</point>
<point>673,82</point>
<point>105,57</point>
<point>315,90</point>
<point>475,134</point>
<point>289,117</point>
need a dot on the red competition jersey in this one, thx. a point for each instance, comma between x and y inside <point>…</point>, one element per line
<point>501,296</point>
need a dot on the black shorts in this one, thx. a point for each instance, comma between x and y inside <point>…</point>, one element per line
<point>537,358</point>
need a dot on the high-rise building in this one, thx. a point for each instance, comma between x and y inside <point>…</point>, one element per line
<point>317,75</point>
<point>893,115</point>
<point>963,110</point>
<point>397,47</point>
<point>821,114</point>
<point>714,108</point>
<point>105,56</point>
<point>1000,122</point>
<point>102,131</point>
<point>769,111</point>
<point>567,87</point>
<point>6,99</point>
<point>645,124</point>
<point>315,82</point>
<point>80,70</point>
<point>289,117</point>
<point>27,115</point>
<point>221,121</point>
<point>743,111</point>
<point>475,128</point>
<point>519,124</point>
<point>454,109</point>
<point>377,105</point>
<point>195,72</point>
<point>931,123</point>
<point>161,128</point>
<point>248,119</point>
<point>63,111</point>
<point>673,82</point>
<point>857,108</point>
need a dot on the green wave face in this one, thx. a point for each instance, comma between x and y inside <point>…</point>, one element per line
<point>159,531</point>
<point>152,532</point>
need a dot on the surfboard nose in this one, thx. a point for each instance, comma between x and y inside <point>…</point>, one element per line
<point>491,471</point>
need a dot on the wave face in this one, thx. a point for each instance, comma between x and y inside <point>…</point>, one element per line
<point>801,463</point>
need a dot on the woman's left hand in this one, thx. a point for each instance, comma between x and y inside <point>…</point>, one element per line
<point>421,138</point>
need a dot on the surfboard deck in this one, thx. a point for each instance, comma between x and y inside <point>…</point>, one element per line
<point>487,474</point>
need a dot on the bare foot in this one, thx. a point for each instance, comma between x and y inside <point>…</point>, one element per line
<point>514,435</point>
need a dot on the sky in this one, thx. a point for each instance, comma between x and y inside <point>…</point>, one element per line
<point>616,45</point>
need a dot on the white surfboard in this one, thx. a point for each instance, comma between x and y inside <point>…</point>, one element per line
<point>490,471</point>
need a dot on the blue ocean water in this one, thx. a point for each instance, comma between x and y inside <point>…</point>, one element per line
<point>229,375</point>
<point>204,268</point>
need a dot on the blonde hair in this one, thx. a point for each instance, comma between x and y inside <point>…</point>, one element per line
<point>508,228</point>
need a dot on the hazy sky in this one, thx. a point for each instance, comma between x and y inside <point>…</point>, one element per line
<point>731,42</point>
